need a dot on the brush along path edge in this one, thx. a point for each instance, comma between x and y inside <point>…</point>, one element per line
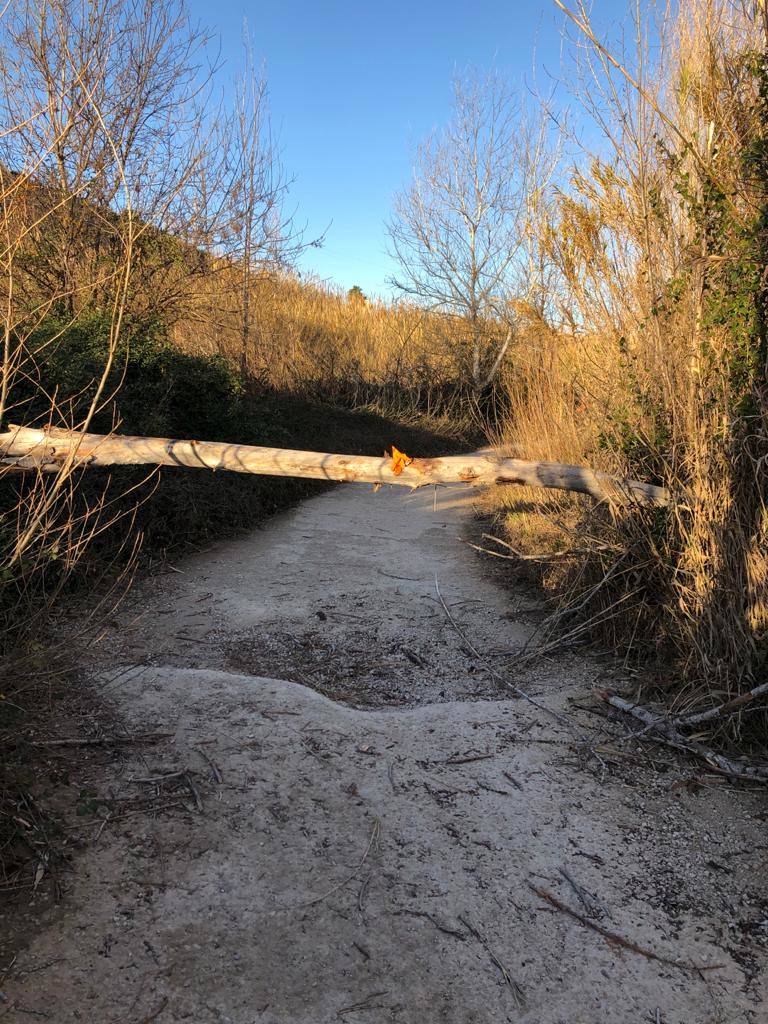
<point>29,448</point>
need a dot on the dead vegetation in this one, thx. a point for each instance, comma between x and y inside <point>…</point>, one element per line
<point>649,356</point>
<point>54,801</point>
<point>137,288</point>
<point>607,312</point>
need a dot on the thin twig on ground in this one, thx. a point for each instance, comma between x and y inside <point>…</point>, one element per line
<point>153,779</point>
<point>373,841</point>
<point>619,940</point>
<point>588,900</point>
<point>516,990</point>
<point>469,758</point>
<point>365,1004</point>
<point>215,770</point>
<point>105,741</point>
<point>502,680</point>
<point>441,926</point>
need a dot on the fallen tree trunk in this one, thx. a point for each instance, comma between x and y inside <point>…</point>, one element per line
<point>29,448</point>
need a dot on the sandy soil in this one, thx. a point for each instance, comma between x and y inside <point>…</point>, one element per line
<point>352,820</point>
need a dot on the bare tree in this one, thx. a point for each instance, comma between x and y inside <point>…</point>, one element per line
<point>91,98</point>
<point>263,236</point>
<point>456,231</point>
<point>99,97</point>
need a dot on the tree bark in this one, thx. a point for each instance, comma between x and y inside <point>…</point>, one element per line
<point>29,448</point>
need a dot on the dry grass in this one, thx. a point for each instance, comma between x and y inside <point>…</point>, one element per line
<point>653,364</point>
<point>305,330</point>
<point>640,349</point>
<point>323,343</point>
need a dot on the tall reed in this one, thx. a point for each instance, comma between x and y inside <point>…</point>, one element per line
<point>653,362</point>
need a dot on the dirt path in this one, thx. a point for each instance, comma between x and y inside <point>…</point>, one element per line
<point>348,817</point>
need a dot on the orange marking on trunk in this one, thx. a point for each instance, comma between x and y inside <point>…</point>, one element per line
<point>399,461</point>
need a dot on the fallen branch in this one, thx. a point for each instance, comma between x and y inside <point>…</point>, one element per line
<point>664,729</point>
<point>618,940</point>
<point>33,449</point>
<point>722,709</point>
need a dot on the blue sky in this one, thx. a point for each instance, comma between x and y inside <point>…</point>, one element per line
<point>355,86</point>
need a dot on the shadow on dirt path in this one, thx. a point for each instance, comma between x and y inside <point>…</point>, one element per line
<point>356,814</point>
